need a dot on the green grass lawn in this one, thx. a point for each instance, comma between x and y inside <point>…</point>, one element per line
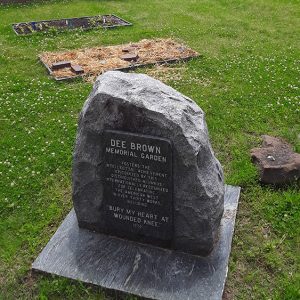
<point>247,82</point>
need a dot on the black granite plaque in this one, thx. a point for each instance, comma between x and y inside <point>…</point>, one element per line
<point>138,186</point>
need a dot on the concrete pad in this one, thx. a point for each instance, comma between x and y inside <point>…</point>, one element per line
<point>140,269</point>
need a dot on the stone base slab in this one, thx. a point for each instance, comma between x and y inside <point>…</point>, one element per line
<point>140,269</point>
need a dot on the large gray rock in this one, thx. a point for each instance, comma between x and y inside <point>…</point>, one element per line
<point>139,104</point>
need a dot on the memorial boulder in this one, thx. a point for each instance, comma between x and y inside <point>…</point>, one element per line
<point>143,167</point>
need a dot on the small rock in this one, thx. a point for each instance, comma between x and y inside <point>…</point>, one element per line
<point>276,160</point>
<point>77,69</point>
<point>181,49</point>
<point>130,57</point>
<point>128,49</point>
<point>61,65</point>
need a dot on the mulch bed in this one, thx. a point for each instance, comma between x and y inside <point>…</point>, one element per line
<point>95,61</point>
<point>104,21</point>
<point>16,1</point>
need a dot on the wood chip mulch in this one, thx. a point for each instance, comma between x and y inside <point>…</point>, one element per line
<point>97,60</point>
